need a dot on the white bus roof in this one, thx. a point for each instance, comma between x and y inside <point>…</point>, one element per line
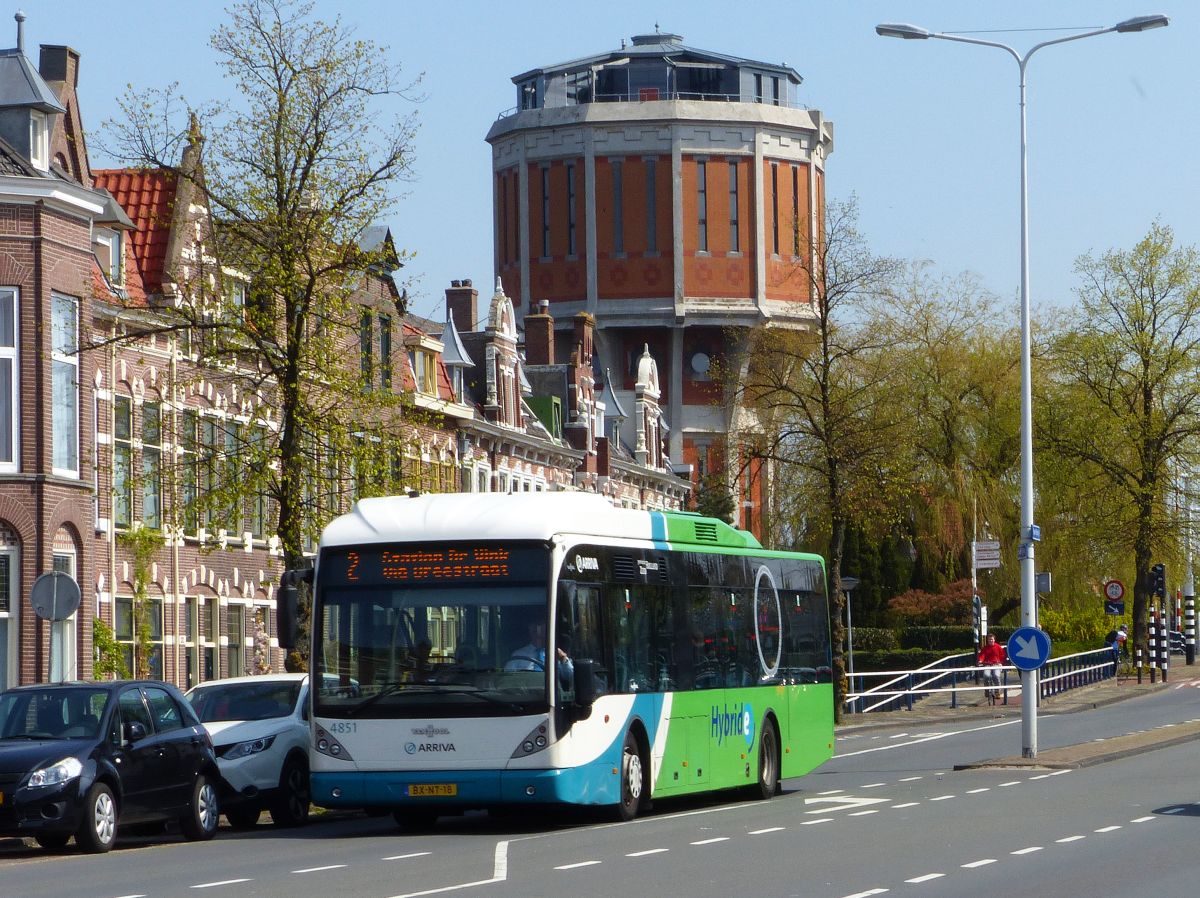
<point>501,516</point>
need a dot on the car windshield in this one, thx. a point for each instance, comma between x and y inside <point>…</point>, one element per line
<point>52,713</point>
<point>245,700</point>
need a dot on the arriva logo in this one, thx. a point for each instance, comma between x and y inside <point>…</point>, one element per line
<point>729,721</point>
<point>414,748</point>
<point>586,563</point>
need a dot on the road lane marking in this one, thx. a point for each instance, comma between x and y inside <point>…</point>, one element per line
<point>1145,819</point>
<point>811,822</point>
<point>907,804</point>
<point>499,874</point>
<point>832,792</point>
<point>977,791</point>
<point>911,779</point>
<point>647,851</point>
<point>1030,850</point>
<point>1070,839</point>
<point>1106,829</point>
<point>1009,783</point>
<point>404,857</point>
<point>1059,772</point>
<point>867,894</point>
<point>580,864</point>
<point>863,813</point>
<point>926,738</point>
<point>840,803</point>
<point>925,878</point>
<point>941,798</point>
<point>319,869</point>
<point>1040,776</point>
<point>982,863</point>
<point>223,882</point>
<point>769,829</point>
<point>874,785</point>
<point>711,841</point>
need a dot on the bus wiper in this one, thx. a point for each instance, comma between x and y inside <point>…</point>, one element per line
<point>385,689</point>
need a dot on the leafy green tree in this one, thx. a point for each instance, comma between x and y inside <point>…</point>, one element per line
<point>820,409</point>
<point>1121,412</point>
<point>292,173</point>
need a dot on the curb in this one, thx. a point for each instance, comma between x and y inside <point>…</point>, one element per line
<point>1074,757</point>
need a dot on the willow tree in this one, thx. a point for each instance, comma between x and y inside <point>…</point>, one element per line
<point>1123,405</point>
<point>818,406</point>
<point>289,178</point>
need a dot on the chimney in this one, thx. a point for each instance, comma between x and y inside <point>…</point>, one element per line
<point>584,325</point>
<point>59,63</point>
<point>20,17</point>
<point>539,336</point>
<point>462,301</point>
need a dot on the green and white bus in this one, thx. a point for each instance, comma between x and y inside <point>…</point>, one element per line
<point>685,657</point>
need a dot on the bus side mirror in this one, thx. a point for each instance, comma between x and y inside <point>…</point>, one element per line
<point>585,684</point>
<point>287,610</point>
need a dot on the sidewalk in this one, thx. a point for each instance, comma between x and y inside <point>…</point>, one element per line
<point>1072,756</point>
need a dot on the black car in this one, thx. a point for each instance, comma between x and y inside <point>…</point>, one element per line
<point>84,759</point>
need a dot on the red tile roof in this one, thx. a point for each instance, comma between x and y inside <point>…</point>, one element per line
<point>148,198</point>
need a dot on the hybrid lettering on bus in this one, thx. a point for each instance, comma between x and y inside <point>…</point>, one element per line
<point>477,650</point>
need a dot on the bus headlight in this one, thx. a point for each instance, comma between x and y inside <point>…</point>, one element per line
<point>327,745</point>
<point>534,742</point>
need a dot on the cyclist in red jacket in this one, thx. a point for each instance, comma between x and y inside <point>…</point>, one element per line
<point>992,656</point>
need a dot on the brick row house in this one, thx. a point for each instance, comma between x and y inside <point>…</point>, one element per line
<point>111,426</point>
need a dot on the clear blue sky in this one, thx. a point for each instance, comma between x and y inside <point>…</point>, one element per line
<point>926,132</point>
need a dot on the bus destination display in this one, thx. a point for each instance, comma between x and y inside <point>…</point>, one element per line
<point>425,564</point>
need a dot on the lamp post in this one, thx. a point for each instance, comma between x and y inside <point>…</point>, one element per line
<point>848,584</point>
<point>1029,678</point>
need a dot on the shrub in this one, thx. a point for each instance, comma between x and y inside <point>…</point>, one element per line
<point>868,639</point>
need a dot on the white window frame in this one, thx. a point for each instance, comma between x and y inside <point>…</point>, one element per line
<point>65,632</point>
<point>39,139</point>
<point>110,240</point>
<point>70,359</point>
<point>11,355</point>
<point>11,618</point>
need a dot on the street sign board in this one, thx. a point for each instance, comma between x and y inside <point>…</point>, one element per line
<point>1114,590</point>
<point>54,596</point>
<point>987,553</point>
<point>1028,648</point>
<point>1111,607</point>
<point>1041,581</point>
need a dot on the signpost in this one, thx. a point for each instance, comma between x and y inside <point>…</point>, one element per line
<point>1114,596</point>
<point>54,596</point>
<point>987,553</point>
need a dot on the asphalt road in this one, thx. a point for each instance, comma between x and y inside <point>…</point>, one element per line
<point>889,814</point>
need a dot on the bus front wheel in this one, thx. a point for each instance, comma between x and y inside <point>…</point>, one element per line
<point>633,779</point>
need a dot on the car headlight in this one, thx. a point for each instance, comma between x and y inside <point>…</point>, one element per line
<point>247,748</point>
<point>57,773</point>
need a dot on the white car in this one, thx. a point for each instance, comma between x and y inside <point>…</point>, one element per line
<point>259,729</point>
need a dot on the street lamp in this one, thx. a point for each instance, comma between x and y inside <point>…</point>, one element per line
<point>1029,678</point>
<point>848,584</point>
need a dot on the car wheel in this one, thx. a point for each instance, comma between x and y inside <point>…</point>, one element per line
<point>290,807</point>
<point>768,763</point>
<point>200,822</point>
<point>52,841</point>
<point>633,779</point>
<point>98,831</point>
<point>243,816</point>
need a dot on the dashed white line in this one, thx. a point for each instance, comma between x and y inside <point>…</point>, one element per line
<point>941,798</point>
<point>874,785</point>
<point>867,894</point>
<point>863,813</point>
<point>1145,819</point>
<point>911,779</point>
<point>404,857</point>
<point>1106,829</point>
<point>1030,850</point>
<point>574,866</point>
<point>1009,783</point>
<point>1070,839</point>
<point>977,791</point>
<point>711,841</point>
<point>1040,776</point>
<point>907,804</point>
<point>818,820</point>
<point>319,869</point>
<point>980,863</point>
<point>769,829</point>
<point>648,851</point>
<point>1059,772</point>
<point>925,878</point>
<point>223,882</point>
<point>832,792</point>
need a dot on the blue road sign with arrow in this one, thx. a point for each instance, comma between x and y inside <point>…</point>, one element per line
<point>1028,648</point>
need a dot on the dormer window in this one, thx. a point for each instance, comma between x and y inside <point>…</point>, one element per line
<point>39,139</point>
<point>424,371</point>
<point>107,245</point>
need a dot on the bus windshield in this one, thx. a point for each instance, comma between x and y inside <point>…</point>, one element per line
<point>446,651</point>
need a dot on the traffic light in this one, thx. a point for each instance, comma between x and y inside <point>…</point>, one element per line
<point>1158,581</point>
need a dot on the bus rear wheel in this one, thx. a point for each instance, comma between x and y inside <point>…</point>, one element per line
<point>633,779</point>
<point>768,763</point>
